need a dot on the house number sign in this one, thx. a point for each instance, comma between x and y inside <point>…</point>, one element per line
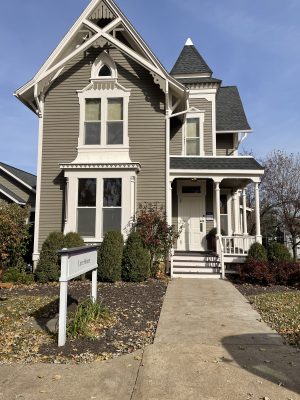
<point>74,262</point>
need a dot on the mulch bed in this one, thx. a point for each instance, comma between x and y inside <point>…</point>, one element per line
<point>135,308</point>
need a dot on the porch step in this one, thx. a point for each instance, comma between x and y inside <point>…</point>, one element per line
<point>195,264</point>
<point>195,275</point>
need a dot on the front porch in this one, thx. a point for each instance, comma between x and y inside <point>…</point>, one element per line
<point>210,211</point>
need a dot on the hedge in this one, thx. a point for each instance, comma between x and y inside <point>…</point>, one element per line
<point>110,257</point>
<point>136,260</point>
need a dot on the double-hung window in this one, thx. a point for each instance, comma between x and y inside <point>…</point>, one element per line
<point>104,122</point>
<point>86,208</point>
<point>193,137</point>
<point>112,204</point>
<point>92,122</point>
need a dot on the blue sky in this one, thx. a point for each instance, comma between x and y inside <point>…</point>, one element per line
<point>252,44</point>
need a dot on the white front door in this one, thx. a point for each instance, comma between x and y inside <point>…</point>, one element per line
<point>192,220</point>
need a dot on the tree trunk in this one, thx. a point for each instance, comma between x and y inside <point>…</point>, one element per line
<point>294,247</point>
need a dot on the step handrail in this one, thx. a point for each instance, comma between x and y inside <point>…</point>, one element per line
<point>221,254</point>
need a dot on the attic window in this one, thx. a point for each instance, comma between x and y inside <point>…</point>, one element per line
<point>105,71</point>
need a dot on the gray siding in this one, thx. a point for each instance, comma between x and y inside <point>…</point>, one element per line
<point>175,137</point>
<point>203,104</point>
<point>61,130</point>
<point>224,144</point>
<point>17,188</point>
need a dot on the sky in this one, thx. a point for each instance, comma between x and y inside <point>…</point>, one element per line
<point>254,44</point>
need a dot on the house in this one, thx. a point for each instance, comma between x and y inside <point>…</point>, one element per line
<point>18,187</point>
<point>116,129</point>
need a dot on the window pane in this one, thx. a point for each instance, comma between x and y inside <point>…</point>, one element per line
<point>92,133</point>
<point>115,133</point>
<point>115,110</point>
<point>192,125</point>
<point>192,147</point>
<point>112,192</point>
<point>105,71</point>
<point>86,192</point>
<point>93,110</point>
<point>191,189</point>
<point>86,221</point>
<point>111,219</point>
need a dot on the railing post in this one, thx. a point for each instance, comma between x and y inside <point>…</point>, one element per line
<point>171,262</point>
<point>257,213</point>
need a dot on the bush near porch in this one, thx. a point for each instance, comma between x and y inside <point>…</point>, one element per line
<point>272,266</point>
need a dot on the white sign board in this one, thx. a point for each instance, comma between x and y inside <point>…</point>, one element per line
<point>74,262</point>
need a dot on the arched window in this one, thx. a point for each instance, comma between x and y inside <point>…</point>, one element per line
<point>105,71</point>
<point>104,67</point>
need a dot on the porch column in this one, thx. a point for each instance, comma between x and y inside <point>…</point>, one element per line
<point>169,211</point>
<point>218,215</point>
<point>235,198</point>
<point>257,213</point>
<point>245,228</point>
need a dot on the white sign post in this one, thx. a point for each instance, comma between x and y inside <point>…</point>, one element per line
<point>74,262</point>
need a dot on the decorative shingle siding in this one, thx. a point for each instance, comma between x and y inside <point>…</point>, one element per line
<point>224,144</point>
<point>146,127</point>
<point>203,104</point>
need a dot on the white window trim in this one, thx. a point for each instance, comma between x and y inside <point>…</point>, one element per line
<point>103,95</point>
<point>198,115</point>
<point>127,205</point>
<point>101,60</point>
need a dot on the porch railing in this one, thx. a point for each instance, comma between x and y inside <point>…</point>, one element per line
<point>237,245</point>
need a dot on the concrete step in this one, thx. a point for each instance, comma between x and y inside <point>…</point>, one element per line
<point>196,275</point>
<point>202,270</point>
<point>204,264</point>
<point>195,258</point>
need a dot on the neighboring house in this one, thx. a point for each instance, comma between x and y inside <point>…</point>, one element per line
<point>116,129</point>
<point>17,186</point>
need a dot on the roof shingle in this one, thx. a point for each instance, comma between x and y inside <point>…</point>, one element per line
<point>190,62</point>
<point>230,112</point>
<point>213,163</point>
<point>24,176</point>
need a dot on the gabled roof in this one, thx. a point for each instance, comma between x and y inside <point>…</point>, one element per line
<point>66,50</point>
<point>11,195</point>
<point>190,61</point>
<point>230,112</point>
<point>29,180</point>
<point>215,163</point>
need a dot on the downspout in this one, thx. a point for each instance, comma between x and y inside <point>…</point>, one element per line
<point>40,113</point>
<point>167,152</point>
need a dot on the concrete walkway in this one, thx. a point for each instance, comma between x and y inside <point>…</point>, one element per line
<point>210,345</point>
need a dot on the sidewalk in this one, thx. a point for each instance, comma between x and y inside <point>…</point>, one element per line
<point>210,345</point>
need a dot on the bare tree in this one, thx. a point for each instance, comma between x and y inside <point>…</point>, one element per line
<point>281,191</point>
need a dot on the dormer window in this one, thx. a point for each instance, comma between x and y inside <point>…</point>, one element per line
<point>105,71</point>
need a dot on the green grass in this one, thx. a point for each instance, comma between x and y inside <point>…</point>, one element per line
<point>282,312</point>
<point>88,319</point>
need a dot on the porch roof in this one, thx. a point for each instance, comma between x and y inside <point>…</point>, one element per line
<point>215,163</point>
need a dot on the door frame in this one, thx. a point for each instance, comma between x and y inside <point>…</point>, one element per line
<point>201,196</point>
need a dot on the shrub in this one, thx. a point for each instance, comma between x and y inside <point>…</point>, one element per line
<point>256,272</point>
<point>84,321</point>
<point>136,259</point>
<point>14,234</point>
<point>278,252</point>
<point>257,252</point>
<point>17,275</point>
<point>48,268</point>
<point>158,237</point>
<point>73,239</point>
<point>110,257</point>
<point>267,273</point>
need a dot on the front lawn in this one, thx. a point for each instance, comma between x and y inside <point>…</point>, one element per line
<point>28,315</point>
<point>279,307</point>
